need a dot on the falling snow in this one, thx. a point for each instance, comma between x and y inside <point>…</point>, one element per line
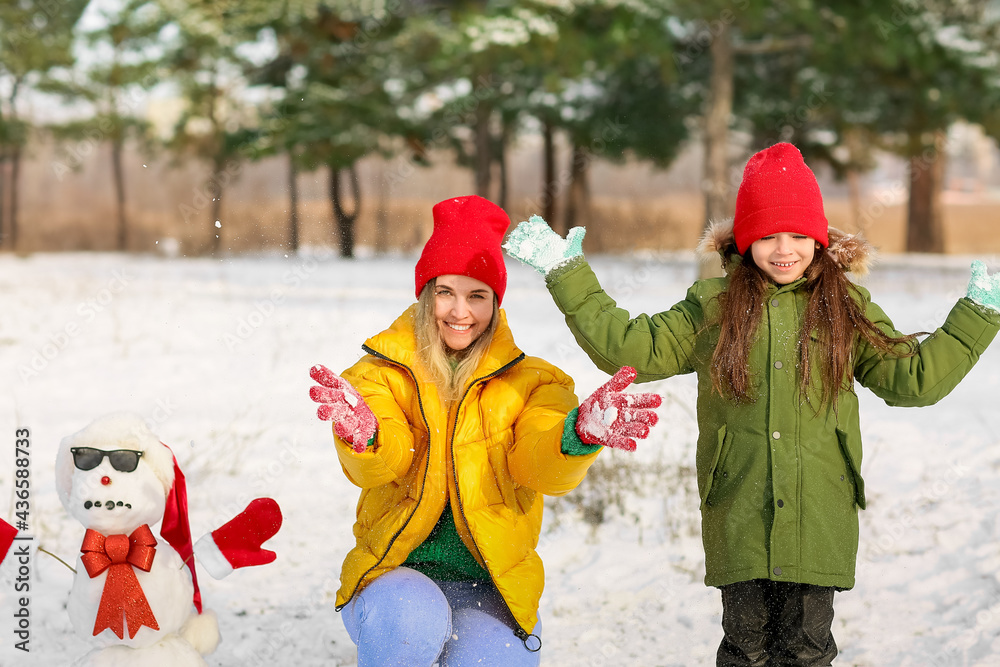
<point>216,355</point>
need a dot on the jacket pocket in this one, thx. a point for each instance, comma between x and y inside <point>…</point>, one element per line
<point>853,458</point>
<point>721,450</point>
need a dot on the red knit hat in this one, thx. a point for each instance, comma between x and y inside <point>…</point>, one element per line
<point>779,193</point>
<point>466,242</point>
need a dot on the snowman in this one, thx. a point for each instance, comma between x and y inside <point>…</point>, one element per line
<point>135,593</point>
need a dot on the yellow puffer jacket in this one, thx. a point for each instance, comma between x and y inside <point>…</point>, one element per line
<point>492,463</point>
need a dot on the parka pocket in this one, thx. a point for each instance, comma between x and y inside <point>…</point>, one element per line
<point>853,458</point>
<point>721,450</point>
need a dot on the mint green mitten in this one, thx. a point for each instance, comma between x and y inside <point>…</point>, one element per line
<point>984,289</point>
<point>534,243</point>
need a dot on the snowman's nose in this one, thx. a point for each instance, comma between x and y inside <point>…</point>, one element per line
<point>105,480</point>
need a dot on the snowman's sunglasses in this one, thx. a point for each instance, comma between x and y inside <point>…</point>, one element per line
<point>122,460</point>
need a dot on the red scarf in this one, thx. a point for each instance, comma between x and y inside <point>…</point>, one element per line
<point>122,598</point>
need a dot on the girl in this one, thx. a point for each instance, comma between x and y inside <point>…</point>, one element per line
<point>777,345</point>
<point>453,434</point>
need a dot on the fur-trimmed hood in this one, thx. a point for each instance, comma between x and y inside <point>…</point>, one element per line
<point>851,252</point>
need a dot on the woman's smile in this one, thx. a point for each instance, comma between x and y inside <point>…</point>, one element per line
<point>463,307</point>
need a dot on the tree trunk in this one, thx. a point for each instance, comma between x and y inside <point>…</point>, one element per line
<point>382,217</point>
<point>855,141</point>
<point>925,215</point>
<point>716,181</point>
<point>578,197</point>
<point>215,187</point>
<point>502,160</point>
<point>218,165</point>
<point>15,174</point>
<point>484,157</point>
<point>8,155</point>
<point>345,221</point>
<point>550,189</point>
<point>854,197</point>
<point>3,198</point>
<point>293,205</point>
<point>119,182</point>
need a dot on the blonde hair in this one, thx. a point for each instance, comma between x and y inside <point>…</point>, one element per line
<point>449,369</point>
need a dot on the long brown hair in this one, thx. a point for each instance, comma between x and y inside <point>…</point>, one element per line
<point>450,370</point>
<point>834,314</point>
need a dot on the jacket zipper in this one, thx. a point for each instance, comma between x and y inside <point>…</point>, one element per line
<point>423,483</point>
<point>519,632</point>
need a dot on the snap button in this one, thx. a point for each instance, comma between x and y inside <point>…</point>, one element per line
<point>778,364</point>
<point>774,302</point>
<point>781,503</point>
<point>777,571</point>
<point>776,435</point>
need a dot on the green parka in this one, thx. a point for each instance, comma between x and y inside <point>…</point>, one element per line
<point>780,483</point>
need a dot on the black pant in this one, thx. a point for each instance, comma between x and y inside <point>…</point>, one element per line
<point>775,623</point>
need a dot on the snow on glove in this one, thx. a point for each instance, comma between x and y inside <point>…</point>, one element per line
<point>237,543</point>
<point>984,289</point>
<point>7,535</point>
<point>612,418</point>
<point>339,401</point>
<point>534,243</point>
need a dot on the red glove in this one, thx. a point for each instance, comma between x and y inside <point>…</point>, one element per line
<point>7,535</point>
<point>613,418</point>
<point>238,543</point>
<point>352,419</point>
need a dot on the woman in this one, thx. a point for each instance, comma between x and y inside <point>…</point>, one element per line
<point>453,434</point>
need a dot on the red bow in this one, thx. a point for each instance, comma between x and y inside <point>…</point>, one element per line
<point>122,596</point>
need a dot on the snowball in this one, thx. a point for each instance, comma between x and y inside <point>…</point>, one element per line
<point>610,415</point>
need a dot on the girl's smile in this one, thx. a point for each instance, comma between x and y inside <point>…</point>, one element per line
<point>783,257</point>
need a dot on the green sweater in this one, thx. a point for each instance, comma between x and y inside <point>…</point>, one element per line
<point>444,557</point>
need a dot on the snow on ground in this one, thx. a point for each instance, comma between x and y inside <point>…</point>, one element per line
<point>215,355</point>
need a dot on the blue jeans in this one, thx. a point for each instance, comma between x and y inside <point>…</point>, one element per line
<point>407,619</point>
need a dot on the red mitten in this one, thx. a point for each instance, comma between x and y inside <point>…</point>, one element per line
<point>612,418</point>
<point>237,543</point>
<point>7,535</point>
<point>352,419</point>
